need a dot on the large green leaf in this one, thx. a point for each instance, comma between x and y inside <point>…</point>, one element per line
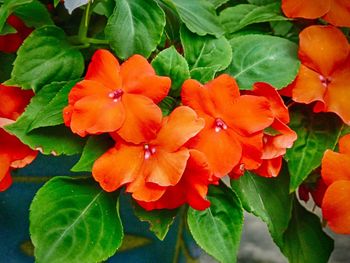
<point>73,220</point>
<point>34,14</point>
<point>199,16</point>
<point>267,198</point>
<point>218,229</point>
<point>52,99</point>
<point>263,58</point>
<point>170,63</point>
<point>159,220</point>
<point>240,16</point>
<point>45,57</point>
<point>95,146</point>
<point>205,54</point>
<point>55,139</point>
<point>8,7</point>
<point>172,27</point>
<point>304,240</point>
<point>218,3</point>
<point>316,133</point>
<point>135,27</point>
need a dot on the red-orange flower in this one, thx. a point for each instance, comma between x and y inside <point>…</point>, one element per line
<point>336,12</point>
<point>151,166</point>
<point>11,42</point>
<point>324,75</point>
<point>336,174</point>
<point>281,137</point>
<point>192,187</point>
<point>233,126</point>
<point>317,191</point>
<point>13,153</point>
<point>119,99</point>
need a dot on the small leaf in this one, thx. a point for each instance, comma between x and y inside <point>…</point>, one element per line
<point>304,240</point>
<point>167,105</point>
<point>316,133</point>
<point>34,14</point>
<point>73,220</point>
<point>199,16</point>
<point>131,242</point>
<point>240,16</point>
<point>135,27</point>
<point>95,146</point>
<point>274,209</point>
<point>51,112</point>
<point>218,229</point>
<point>71,5</point>
<point>6,65</point>
<point>170,63</point>
<point>159,220</point>
<point>7,9</point>
<point>55,139</point>
<point>46,57</point>
<point>261,58</point>
<point>205,55</point>
<point>7,29</point>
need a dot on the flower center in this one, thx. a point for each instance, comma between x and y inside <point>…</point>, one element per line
<point>325,80</point>
<point>116,94</point>
<point>149,151</point>
<point>220,125</point>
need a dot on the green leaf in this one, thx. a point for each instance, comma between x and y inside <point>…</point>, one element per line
<point>167,105</point>
<point>255,193</point>
<point>304,241</point>
<point>6,65</point>
<point>316,133</point>
<point>261,58</point>
<point>56,2</point>
<point>159,220</point>
<point>46,57</point>
<point>55,98</point>
<point>131,242</point>
<point>240,16</point>
<point>135,27</point>
<point>94,148</point>
<point>218,229</point>
<point>7,29</point>
<point>73,220</point>
<point>205,55</point>
<point>34,14</point>
<point>56,139</point>
<point>218,3</point>
<point>199,16</point>
<point>8,7</point>
<point>170,63</point>
<point>172,26</point>
<point>263,2</point>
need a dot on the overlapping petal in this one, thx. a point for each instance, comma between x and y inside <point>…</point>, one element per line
<point>335,166</point>
<point>339,13</point>
<point>306,9</point>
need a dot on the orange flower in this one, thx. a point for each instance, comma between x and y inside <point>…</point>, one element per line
<point>234,123</point>
<point>336,12</point>
<point>336,175</point>
<point>192,187</point>
<point>275,145</point>
<point>150,167</point>
<point>11,42</point>
<point>324,75</point>
<point>119,99</point>
<point>13,153</point>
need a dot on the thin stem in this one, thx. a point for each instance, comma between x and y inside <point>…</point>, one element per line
<point>179,240</point>
<point>40,179</point>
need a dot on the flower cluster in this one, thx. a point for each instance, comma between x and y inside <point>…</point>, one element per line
<point>13,153</point>
<point>167,161</point>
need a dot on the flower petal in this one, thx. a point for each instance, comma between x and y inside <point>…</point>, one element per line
<point>104,68</point>
<point>143,191</point>
<point>323,48</point>
<point>339,13</point>
<point>4,166</point>
<point>270,168</point>
<point>5,182</point>
<point>249,114</point>
<point>338,94</point>
<point>307,86</point>
<point>118,166</point>
<point>306,9</point>
<point>335,166</point>
<point>166,168</point>
<point>252,151</point>
<point>344,144</point>
<point>142,119</point>
<point>336,207</point>
<point>180,126</point>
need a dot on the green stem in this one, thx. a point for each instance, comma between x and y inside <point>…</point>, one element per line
<point>40,179</point>
<point>179,237</point>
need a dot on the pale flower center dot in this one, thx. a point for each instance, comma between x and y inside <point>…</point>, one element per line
<point>325,81</point>
<point>149,151</point>
<point>116,94</point>
<point>220,125</point>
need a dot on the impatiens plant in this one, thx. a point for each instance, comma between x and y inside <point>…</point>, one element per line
<point>186,113</point>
